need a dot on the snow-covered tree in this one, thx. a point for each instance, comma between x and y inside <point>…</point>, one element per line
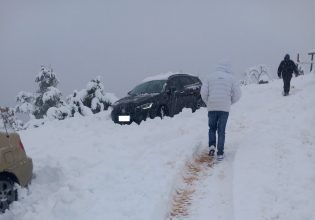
<point>47,95</point>
<point>46,78</point>
<point>95,98</point>
<point>258,74</point>
<point>25,103</point>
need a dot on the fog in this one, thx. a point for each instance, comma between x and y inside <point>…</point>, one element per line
<point>125,41</point>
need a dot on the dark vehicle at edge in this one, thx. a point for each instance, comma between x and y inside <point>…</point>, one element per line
<point>161,97</point>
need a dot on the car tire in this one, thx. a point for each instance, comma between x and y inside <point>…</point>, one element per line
<point>8,193</point>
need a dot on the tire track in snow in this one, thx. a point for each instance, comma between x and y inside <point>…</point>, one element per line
<point>193,172</point>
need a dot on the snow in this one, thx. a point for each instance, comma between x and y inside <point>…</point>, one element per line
<point>161,76</point>
<point>193,86</point>
<point>58,113</point>
<point>110,97</point>
<point>312,51</point>
<point>24,102</point>
<point>25,107</point>
<point>268,172</point>
<point>45,73</point>
<point>257,74</point>
<point>90,168</point>
<point>98,86</point>
<point>51,94</point>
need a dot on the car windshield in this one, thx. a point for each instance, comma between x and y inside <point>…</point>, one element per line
<point>155,86</point>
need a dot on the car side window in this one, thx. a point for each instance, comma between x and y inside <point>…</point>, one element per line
<point>175,83</point>
<point>194,80</point>
<point>185,81</point>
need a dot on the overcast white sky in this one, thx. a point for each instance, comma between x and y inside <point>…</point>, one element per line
<point>125,41</point>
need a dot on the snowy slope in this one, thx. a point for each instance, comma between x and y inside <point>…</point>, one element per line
<point>269,168</point>
<point>90,168</point>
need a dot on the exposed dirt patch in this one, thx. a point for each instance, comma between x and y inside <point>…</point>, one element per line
<point>192,173</point>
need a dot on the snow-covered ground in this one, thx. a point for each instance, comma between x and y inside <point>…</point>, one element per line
<point>268,172</point>
<point>90,168</point>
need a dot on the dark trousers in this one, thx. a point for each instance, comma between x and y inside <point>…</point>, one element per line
<point>217,123</point>
<point>286,84</point>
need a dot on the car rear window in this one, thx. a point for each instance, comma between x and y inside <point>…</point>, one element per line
<point>186,81</point>
<point>190,80</point>
<point>195,79</point>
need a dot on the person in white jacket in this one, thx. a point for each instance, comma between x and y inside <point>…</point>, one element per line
<point>219,92</point>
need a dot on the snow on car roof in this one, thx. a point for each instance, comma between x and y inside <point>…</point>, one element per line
<point>163,76</point>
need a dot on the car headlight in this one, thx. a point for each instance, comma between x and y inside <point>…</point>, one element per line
<point>146,106</point>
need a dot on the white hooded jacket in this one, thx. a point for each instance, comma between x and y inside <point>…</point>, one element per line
<point>220,90</point>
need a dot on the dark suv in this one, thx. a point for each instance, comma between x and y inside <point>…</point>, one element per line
<point>159,96</point>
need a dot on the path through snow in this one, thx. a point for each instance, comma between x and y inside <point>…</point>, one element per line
<point>268,169</point>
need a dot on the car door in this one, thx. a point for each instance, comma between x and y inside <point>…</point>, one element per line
<point>187,91</point>
<point>176,95</point>
<point>192,89</point>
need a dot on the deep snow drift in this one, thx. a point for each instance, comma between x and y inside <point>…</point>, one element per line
<point>91,168</point>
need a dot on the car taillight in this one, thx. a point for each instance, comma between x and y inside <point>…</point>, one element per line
<point>21,145</point>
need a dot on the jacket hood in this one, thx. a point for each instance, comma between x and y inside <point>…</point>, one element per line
<point>224,66</point>
<point>287,57</point>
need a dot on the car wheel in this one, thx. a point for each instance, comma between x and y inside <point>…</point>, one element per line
<point>162,112</point>
<point>8,193</point>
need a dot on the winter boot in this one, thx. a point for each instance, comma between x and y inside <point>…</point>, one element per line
<point>211,151</point>
<point>285,93</point>
<point>220,157</point>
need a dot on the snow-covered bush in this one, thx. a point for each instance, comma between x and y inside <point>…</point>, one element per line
<point>258,75</point>
<point>47,95</point>
<point>25,103</point>
<point>59,113</point>
<point>94,96</point>
<point>47,102</point>
<point>9,118</point>
<point>75,105</point>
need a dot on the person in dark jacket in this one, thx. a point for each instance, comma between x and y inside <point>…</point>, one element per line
<point>285,70</point>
